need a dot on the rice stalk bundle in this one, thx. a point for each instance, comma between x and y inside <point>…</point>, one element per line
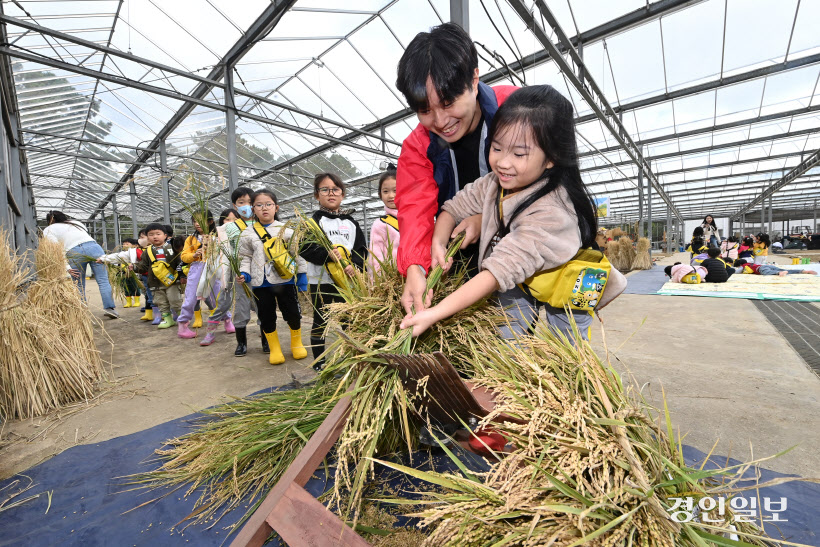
<point>252,441</point>
<point>613,254</point>
<point>642,259</point>
<point>626,253</point>
<point>590,465</point>
<point>47,353</point>
<point>119,277</point>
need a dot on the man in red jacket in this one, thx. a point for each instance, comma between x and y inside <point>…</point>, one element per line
<point>438,76</point>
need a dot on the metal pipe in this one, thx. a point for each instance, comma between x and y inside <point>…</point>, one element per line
<point>132,188</point>
<point>117,239</point>
<point>166,192</point>
<point>230,129</point>
<point>770,213</point>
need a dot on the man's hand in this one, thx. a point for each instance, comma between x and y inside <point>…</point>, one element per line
<point>471,226</point>
<point>415,287</point>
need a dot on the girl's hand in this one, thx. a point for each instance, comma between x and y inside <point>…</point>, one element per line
<point>336,253</point>
<point>198,253</point>
<point>437,254</point>
<point>349,269</point>
<point>74,273</point>
<point>471,226</point>
<point>421,321</point>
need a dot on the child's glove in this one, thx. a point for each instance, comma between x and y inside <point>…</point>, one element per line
<point>302,282</point>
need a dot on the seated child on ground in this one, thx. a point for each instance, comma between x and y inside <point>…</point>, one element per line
<point>685,273</point>
<point>698,244</point>
<point>729,248</point>
<point>767,269</point>
<point>718,271</point>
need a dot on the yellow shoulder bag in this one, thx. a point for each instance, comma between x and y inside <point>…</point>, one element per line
<point>161,269</point>
<point>277,253</point>
<point>578,284</point>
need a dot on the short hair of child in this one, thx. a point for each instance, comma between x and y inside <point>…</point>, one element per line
<point>738,262</point>
<point>131,240</point>
<point>241,191</point>
<point>317,180</point>
<point>169,230</point>
<point>697,232</point>
<point>156,226</point>
<point>713,252</point>
<point>668,271</point>
<point>447,56</point>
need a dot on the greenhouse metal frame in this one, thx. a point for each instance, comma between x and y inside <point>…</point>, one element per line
<point>105,117</point>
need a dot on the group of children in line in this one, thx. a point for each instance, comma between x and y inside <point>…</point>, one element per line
<point>710,263</point>
<point>177,277</point>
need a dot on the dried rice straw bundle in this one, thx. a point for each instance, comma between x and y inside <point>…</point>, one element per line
<point>626,253</point>
<point>47,353</point>
<point>589,465</point>
<point>642,259</point>
<point>613,254</point>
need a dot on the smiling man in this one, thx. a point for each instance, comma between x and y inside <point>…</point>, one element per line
<point>438,76</point>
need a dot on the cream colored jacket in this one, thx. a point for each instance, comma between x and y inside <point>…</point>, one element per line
<point>544,236</point>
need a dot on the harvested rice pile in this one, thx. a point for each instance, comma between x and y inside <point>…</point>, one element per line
<point>626,253</point>
<point>47,354</point>
<point>590,466</point>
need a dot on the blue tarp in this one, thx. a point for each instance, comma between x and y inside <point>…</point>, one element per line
<point>89,504</point>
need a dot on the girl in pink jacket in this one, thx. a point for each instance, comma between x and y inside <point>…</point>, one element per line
<point>384,234</point>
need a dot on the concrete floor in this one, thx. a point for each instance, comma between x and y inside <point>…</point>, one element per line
<point>727,374</point>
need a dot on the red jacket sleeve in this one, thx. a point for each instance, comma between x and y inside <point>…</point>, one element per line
<point>416,201</point>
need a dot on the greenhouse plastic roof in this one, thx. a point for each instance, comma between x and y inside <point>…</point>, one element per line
<point>721,96</point>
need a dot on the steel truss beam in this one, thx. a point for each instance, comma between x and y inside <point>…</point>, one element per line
<point>601,32</point>
<point>713,128</point>
<point>165,68</point>
<point>805,165</point>
<point>575,71</point>
<point>710,86</point>
<point>711,148</point>
<point>704,167</point>
<point>747,188</point>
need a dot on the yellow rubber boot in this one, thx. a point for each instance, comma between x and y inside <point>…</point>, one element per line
<point>136,301</point>
<point>296,348</point>
<point>276,356</point>
<point>197,322</point>
<point>127,302</point>
<point>149,314</point>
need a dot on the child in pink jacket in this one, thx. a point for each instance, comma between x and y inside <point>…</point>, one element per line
<point>678,271</point>
<point>384,234</point>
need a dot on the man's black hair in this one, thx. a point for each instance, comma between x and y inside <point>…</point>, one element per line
<point>447,55</point>
<point>241,191</point>
<point>156,226</point>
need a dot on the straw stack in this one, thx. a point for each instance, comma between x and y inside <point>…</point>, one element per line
<point>613,254</point>
<point>642,259</point>
<point>47,354</point>
<point>626,253</point>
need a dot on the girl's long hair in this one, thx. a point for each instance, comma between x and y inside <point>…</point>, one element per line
<point>550,117</point>
<point>710,223</point>
<point>764,239</point>
<point>59,217</point>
